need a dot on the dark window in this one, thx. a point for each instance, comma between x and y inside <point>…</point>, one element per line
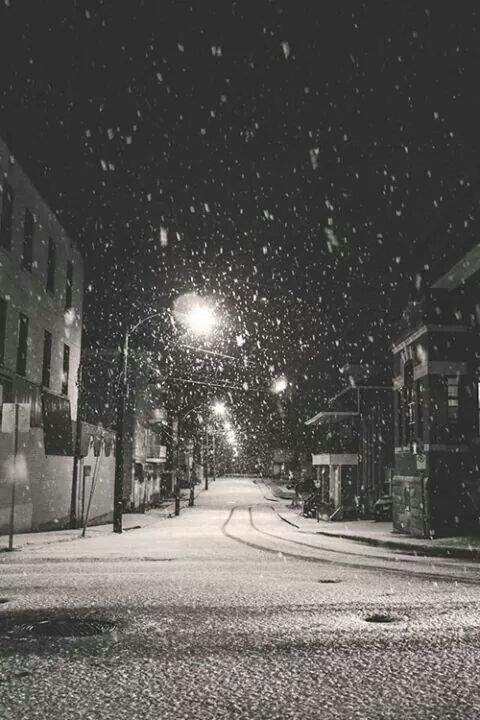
<point>452,395</point>
<point>6,217</point>
<point>57,425</point>
<point>51,263</point>
<point>407,498</point>
<point>47,359</point>
<point>22,344</point>
<point>3,328</point>
<point>69,286</point>
<point>66,369</point>
<point>28,230</point>
<point>138,471</point>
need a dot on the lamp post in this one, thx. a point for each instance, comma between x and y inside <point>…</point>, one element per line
<point>199,317</point>
<point>121,412</point>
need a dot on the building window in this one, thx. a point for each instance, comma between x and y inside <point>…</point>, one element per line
<point>66,369</point>
<point>6,217</point>
<point>452,394</point>
<point>47,359</point>
<point>51,263</point>
<point>22,344</point>
<point>3,328</point>
<point>28,229</point>
<point>407,498</point>
<point>69,286</point>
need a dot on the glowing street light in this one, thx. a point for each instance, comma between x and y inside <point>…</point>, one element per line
<point>195,313</point>
<point>201,320</point>
<point>279,384</point>
<point>219,409</point>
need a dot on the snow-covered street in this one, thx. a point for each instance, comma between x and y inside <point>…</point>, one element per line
<point>227,611</point>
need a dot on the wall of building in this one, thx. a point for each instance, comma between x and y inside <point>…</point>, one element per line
<point>436,479</point>
<point>44,489</point>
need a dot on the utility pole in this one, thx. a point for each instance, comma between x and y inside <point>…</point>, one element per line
<point>205,457</point>
<point>77,450</point>
<point>119,444</point>
<point>14,479</point>
<point>214,471</point>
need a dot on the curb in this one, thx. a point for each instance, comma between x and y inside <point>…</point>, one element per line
<point>409,547</point>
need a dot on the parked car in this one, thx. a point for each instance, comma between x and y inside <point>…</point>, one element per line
<point>383,508</point>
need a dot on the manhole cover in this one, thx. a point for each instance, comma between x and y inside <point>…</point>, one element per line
<point>60,628</point>
<point>328,581</point>
<point>380,618</point>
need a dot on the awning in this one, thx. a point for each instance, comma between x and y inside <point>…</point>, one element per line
<point>335,459</point>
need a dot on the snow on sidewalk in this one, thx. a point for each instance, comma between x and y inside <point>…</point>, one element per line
<point>382,534</point>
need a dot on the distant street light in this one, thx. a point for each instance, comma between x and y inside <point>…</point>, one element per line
<point>279,384</point>
<point>219,409</point>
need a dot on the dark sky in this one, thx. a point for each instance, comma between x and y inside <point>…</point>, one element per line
<point>298,153</point>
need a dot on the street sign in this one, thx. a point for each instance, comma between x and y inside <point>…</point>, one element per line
<point>421,461</point>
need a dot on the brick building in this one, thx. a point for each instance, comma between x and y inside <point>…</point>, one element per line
<point>41,291</point>
<point>436,485</point>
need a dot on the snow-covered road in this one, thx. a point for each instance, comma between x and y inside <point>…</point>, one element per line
<point>227,611</point>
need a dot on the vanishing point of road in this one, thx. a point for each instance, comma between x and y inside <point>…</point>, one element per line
<point>229,612</point>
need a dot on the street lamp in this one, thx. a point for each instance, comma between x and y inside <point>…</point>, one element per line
<point>279,384</point>
<point>197,316</point>
<point>196,313</point>
<point>121,409</point>
<point>219,409</point>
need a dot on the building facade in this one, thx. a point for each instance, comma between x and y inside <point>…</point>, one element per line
<point>41,292</point>
<point>353,447</point>
<point>436,484</point>
<point>146,436</point>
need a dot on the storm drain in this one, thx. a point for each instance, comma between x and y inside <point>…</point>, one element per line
<point>58,628</point>
<point>380,618</point>
<point>328,581</point>
<point>3,600</point>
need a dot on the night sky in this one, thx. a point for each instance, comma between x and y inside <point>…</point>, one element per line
<point>302,157</point>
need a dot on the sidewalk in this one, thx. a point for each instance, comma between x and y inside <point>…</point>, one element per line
<point>381,534</point>
<point>131,521</point>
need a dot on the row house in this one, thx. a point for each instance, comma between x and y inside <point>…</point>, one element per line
<point>353,446</point>
<point>145,430</point>
<point>41,291</point>
<point>147,435</point>
<point>436,483</point>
